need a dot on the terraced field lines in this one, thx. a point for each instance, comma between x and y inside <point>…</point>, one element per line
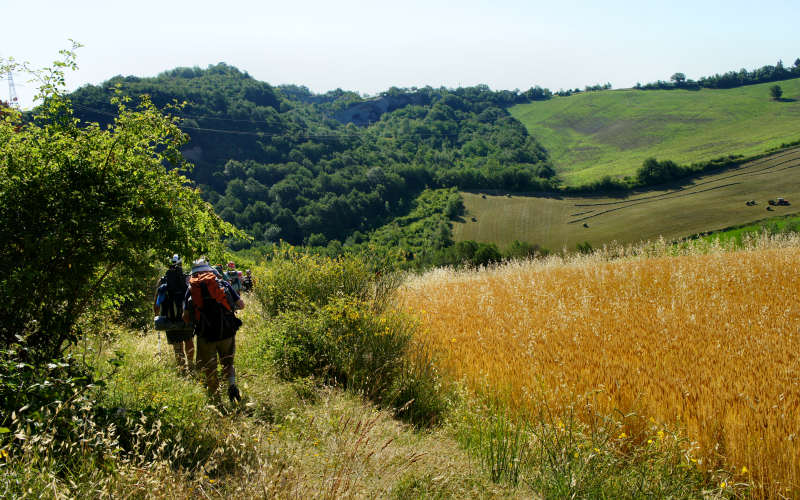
<point>711,202</point>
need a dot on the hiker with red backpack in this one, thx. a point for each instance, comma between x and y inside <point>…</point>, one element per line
<point>210,302</point>
<point>168,305</point>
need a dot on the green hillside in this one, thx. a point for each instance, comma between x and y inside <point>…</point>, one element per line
<point>594,134</point>
<point>708,203</point>
<point>283,163</point>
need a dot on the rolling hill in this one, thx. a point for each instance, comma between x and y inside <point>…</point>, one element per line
<point>594,134</point>
<point>707,203</point>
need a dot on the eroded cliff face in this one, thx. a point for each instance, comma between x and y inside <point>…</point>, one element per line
<point>366,112</point>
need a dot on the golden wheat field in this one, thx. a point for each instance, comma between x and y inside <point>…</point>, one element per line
<point>707,340</point>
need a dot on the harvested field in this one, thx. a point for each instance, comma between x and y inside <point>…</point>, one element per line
<point>708,340</point>
<point>712,202</point>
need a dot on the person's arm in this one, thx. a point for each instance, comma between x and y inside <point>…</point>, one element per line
<point>156,307</point>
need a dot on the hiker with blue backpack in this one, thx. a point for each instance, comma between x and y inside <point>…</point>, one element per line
<point>168,305</point>
<point>210,302</point>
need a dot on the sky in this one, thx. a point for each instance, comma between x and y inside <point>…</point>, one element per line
<point>369,46</point>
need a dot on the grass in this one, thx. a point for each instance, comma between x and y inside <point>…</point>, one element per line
<point>295,437</point>
<point>712,202</point>
<point>594,134</point>
<point>697,338</point>
<point>288,439</point>
<point>771,225</point>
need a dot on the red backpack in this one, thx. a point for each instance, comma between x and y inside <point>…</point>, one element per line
<point>213,313</point>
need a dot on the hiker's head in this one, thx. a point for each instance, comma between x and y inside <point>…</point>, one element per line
<point>175,260</point>
<point>231,265</point>
<point>201,265</point>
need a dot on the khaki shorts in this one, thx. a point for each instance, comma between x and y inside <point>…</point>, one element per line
<point>207,353</point>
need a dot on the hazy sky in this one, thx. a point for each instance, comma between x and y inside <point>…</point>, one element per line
<point>369,46</point>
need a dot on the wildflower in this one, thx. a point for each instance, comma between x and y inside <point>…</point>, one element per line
<point>649,441</point>
<point>4,454</point>
<point>723,485</point>
<point>622,435</point>
<point>660,435</point>
<point>744,470</point>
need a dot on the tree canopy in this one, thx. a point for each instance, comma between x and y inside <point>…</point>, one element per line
<point>283,163</point>
<point>79,203</point>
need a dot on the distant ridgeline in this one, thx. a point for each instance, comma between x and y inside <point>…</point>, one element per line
<point>731,79</point>
<point>284,163</point>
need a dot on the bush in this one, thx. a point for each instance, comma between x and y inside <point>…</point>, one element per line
<point>79,203</point>
<point>342,342</point>
<point>486,254</point>
<point>292,281</point>
<point>332,322</point>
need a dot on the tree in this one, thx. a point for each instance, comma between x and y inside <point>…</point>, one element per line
<point>776,92</point>
<point>678,78</point>
<point>80,203</point>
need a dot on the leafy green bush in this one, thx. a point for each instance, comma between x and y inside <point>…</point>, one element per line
<point>342,342</point>
<point>294,281</point>
<point>34,396</point>
<point>79,203</point>
<point>332,322</point>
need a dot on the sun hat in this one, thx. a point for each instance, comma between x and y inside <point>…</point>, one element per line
<point>200,265</point>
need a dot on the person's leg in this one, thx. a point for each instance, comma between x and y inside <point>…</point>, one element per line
<point>175,339</point>
<point>180,357</point>
<point>207,361</point>
<point>227,350</point>
<point>188,347</point>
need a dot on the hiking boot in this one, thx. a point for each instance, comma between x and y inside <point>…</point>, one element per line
<point>233,394</point>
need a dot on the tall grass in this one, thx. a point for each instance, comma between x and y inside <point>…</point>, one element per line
<point>695,336</point>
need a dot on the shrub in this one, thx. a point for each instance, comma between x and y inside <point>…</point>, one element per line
<point>292,281</point>
<point>79,203</point>
<point>332,322</point>
<point>342,342</point>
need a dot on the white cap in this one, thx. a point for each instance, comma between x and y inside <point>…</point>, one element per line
<point>200,265</point>
<point>176,259</point>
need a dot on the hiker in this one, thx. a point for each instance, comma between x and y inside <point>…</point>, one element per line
<point>233,277</point>
<point>220,271</point>
<point>247,281</point>
<point>210,302</point>
<point>168,305</point>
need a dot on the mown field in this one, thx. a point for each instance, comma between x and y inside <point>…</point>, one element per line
<point>707,340</point>
<point>594,134</point>
<point>707,203</point>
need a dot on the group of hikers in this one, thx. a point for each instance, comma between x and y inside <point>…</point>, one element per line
<point>202,304</point>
